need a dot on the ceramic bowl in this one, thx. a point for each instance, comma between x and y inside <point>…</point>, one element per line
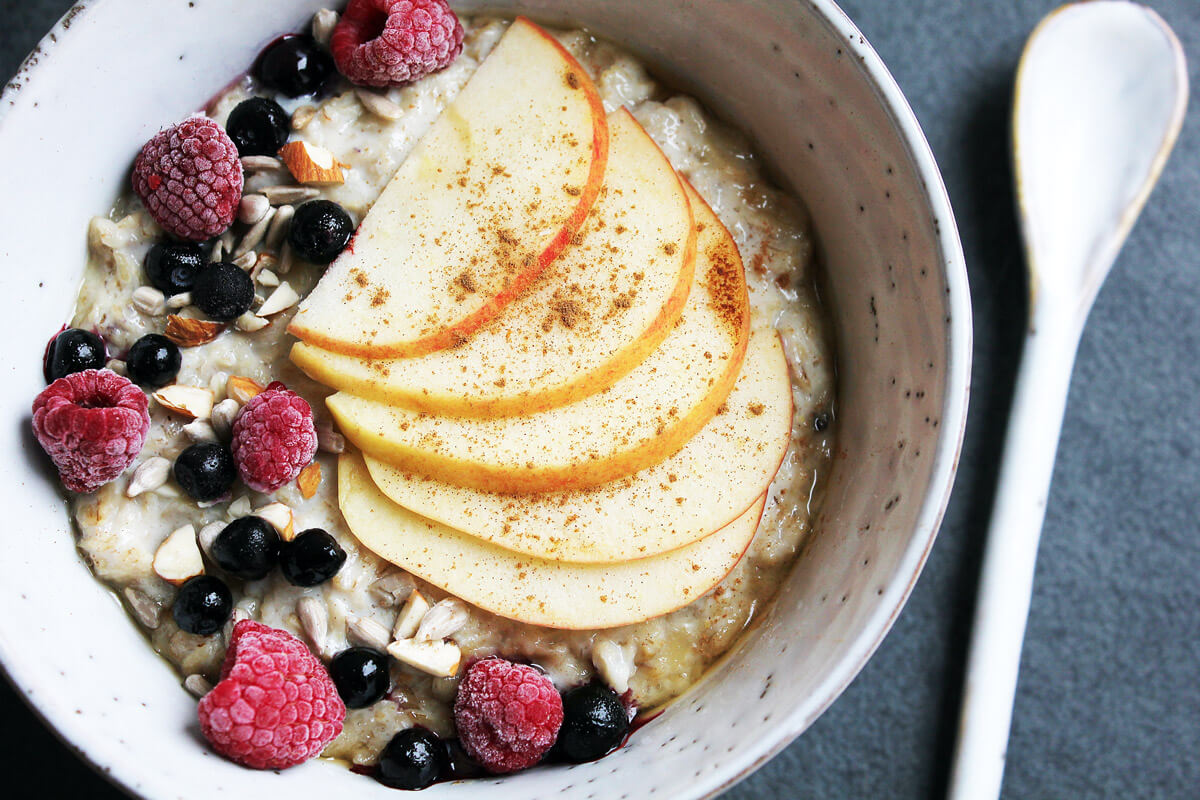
<point>802,81</point>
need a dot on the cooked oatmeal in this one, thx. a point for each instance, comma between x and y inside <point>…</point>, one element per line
<point>658,659</point>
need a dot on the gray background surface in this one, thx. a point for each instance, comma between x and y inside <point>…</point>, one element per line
<point>1109,697</point>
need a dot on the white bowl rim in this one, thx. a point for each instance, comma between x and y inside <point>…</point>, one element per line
<point>74,733</point>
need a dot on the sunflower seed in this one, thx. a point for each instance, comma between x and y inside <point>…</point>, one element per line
<point>280,195</point>
<point>250,322</point>
<point>217,251</point>
<point>116,366</point>
<point>261,163</point>
<point>199,431</point>
<point>444,619</point>
<point>613,664</point>
<point>286,257</point>
<point>302,116</point>
<point>378,105</point>
<point>367,632</point>
<point>223,415</point>
<point>198,685</point>
<point>323,23</point>
<point>252,208</point>
<point>240,507</point>
<point>253,237</point>
<point>279,226</point>
<point>314,619</point>
<point>151,474</point>
<point>181,300</point>
<point>147,610</point>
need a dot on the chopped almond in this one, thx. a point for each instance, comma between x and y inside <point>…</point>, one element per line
<point>193,401</point>
<point>309,480</point>
<point>188,332</point>
<point>310,164</point>
<point>243,389</point>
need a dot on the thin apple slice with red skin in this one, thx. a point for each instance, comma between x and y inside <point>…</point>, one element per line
<point>605,303</point>
<point>715,477</point>
<point>534,590</point>
<point>642,419</point>
<point>483,204</point>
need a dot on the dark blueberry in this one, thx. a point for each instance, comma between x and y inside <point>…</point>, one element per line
<point>223,291</point>
<point>312,557</point>
<point>413,759</point>
<point>153,361</point>
<point>821,422</point>
<point>361,676</point>
<point>320,230</point>
<point>203,605</point>
<point>295,66</point>
<point>258,126</point>
<point>594,722</point>
<point>205,471</point>
<point>247,548</point>
<point>172,268</point>
<point>71,351</point>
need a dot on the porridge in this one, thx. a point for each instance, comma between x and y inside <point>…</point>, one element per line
<point>139,531</point>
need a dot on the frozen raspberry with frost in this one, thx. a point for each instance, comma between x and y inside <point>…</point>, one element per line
<point>273,438</point>
<point>393,42</point>
<point>507,715</point>
<point>275,706</point>
<point>190,179</point>
<point>92,424</point>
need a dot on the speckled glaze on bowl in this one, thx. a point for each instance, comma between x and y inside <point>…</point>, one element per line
<point>825,113</point>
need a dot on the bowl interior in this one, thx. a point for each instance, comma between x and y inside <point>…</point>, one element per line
<point>801,81</point>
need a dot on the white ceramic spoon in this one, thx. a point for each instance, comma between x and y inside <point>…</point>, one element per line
<point>1100,98</point>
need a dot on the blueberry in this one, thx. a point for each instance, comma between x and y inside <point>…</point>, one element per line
<point>594,722</point>
<point>172,268</point>
<point>223,291</point>
<point>205,471</point>
<point>153,361</point>
<point>320,230</point>
<point>71,351</point>
<point>203,605</point>
<point>258,126</point>
<point>247,548</point>
<point>312,557</point>
<point>361,676</point>
<point>295,66</point>
<point>413,759</point>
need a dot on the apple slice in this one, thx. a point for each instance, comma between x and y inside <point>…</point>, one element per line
<point>535,590</point>
<point>486,200</point>
<point>640,420</point>
<point>593,315</point>
<point>715,477</point>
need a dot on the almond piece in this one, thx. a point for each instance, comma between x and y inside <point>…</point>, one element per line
<point>188,332</point>
<point>280,517</point>
<point>309,479</point>
<point>435,658</point>
<point>193,401</point>
<point>410,617</point>
<point>284,297</point>
<point>243,389</point>
<point>366,631</point>
<point>178,557</point>
<point>310,164</point>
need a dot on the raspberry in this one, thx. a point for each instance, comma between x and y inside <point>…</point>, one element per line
<point>393,42</point>
<point>190,179</point>
<point>275,706</point>
<point>507,715</point>
<point>273,438</point>
<point>92,424</point>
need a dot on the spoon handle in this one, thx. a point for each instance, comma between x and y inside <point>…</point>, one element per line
<point>1006,579</point>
